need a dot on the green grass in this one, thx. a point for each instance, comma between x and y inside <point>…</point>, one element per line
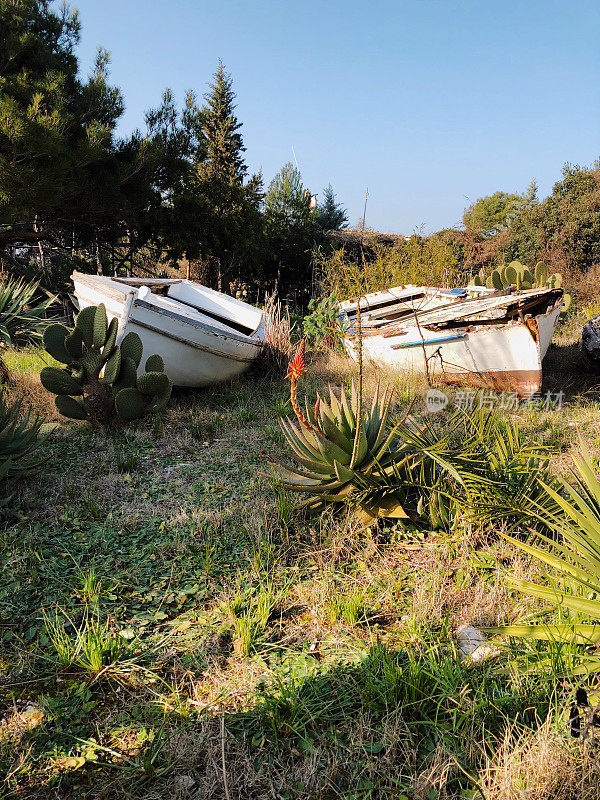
<point>157,582</point>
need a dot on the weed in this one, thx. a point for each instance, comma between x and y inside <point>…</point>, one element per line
<point>284,504</point>
<point>91,646</point>
<point>348,608</point>
<point>90,586</point>
<point>282,407</point>
<point>126,461</point>
<point>246,415</point>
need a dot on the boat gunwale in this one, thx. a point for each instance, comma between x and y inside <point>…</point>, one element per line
<point>108,287</point>
<point>236,337</point>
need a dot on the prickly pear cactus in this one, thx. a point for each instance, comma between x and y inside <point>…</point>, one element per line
<point>99,382</point>
<point>519,276</point>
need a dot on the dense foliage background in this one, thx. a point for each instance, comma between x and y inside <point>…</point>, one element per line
<point>177,197</point>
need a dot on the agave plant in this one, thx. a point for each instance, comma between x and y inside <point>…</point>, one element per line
<point>19,441</point>
<point>343,450</point>
<point>572,554</point>
<point>22,317</point>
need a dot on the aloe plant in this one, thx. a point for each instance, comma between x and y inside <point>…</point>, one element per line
<point>343,451</point>
<point>100,381</point>
<point>571,559</point>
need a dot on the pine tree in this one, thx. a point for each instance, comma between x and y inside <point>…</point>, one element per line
<point>56,133</point>
<point>291,228</point>
<point>220,127</point>
<point>234,225</point>
<point>331,216</point>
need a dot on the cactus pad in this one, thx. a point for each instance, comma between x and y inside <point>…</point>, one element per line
<point>130,404</point>
<point>497,280</point>
<point>131,347</point>
<point>54,342</point>
<point>100,325</point>
<point>151,383</point>
<point>155,364</point>
<point>59,381</point>
<point>541,274</point>
<point>85,324</point>
<point>70,407</point>
<point>112,367</point>
<point>100,381</point>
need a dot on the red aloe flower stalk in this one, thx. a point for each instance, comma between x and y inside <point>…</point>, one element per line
<point>296,369</point>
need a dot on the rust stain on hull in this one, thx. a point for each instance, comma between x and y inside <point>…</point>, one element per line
<point>524,382</point>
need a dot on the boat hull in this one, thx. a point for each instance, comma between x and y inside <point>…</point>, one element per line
<point>195,354</point>
<point>503,356</point>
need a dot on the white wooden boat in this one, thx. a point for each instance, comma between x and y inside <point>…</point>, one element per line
<point>475,336</point>
<point>203,336</point>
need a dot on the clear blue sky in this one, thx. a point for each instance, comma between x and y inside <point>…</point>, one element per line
<point>428,103</point>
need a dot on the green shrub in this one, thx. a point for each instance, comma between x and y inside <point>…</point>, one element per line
<point>322,327</point>
<point>432,261</point>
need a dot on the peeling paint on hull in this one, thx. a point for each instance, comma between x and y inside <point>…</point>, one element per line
<point>483,348</point>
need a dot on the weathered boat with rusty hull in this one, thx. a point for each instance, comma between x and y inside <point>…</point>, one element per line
<point>473,336</point>
<point>204,337</point>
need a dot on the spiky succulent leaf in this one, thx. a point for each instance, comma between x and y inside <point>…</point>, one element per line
<point>54,342</point>
<point>70,407</point>
<point>59,381</point>
<point>131,347</point>
<point>511,275</point>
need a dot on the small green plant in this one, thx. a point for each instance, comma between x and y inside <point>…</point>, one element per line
<point>322,327</point>
<point>349,608</point>
<point>282,407</point>
<point>127,462</point>
<point>284,504</point>
<point>91,646</point>
<point>342,450</point>
<point>100,381</point>
<point>249,613</point>
<point>19,441</point>
<point>90,586</point>
<point>246,415</point>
